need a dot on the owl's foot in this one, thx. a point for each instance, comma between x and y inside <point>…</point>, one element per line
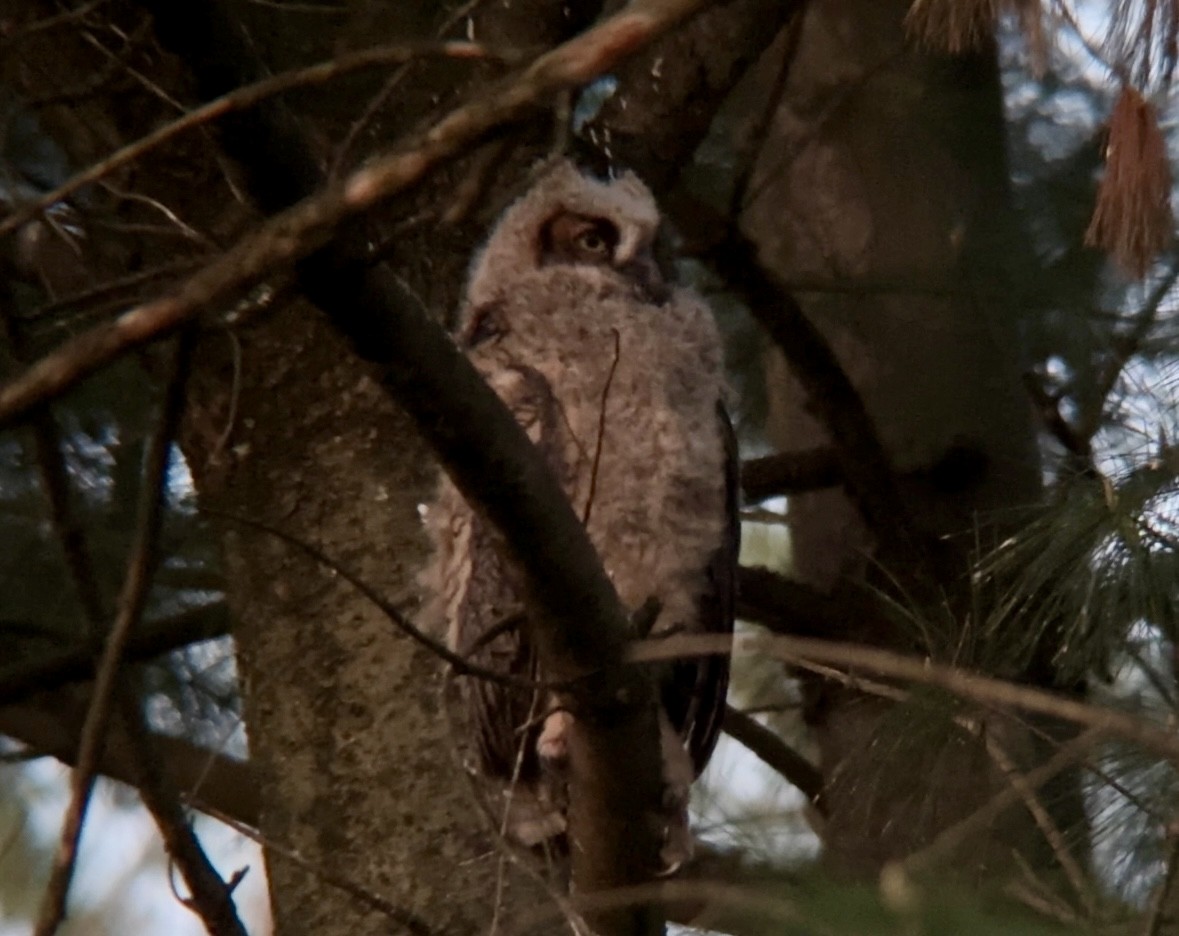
<point>678,774</point>
<point>553,743</point>
<point>678,846</point>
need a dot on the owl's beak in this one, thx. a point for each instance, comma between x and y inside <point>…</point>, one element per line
<point>644,272</point>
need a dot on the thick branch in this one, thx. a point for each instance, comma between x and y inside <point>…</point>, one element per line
<point>668,96</point>
<point>787,607</point>
<point>790,473</point>
<point>776,753</point>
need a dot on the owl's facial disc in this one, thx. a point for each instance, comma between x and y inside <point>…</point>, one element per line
<point>569,237</point>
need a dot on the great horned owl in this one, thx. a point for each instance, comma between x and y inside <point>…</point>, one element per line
<point>616,375</point>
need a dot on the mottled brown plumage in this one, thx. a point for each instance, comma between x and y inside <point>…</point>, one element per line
<point>617,377</point>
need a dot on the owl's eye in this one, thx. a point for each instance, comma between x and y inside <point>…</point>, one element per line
<point>574,238</point>
<point>594,242</point>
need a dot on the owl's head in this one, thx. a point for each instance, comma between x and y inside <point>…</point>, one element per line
<point>571,220</point>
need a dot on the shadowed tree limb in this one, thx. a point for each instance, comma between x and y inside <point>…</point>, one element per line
<point>861,458</point>
<point>790,473</point>
<point>667,97</point>
<point>775,753</point>
<point>787,607</point>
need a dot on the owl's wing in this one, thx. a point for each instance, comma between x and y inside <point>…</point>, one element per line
<point>488,631</point>
<point>695,695</point>
<point>489,627</point>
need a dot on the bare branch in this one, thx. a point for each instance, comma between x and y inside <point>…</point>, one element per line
<point>1158,904</point>
<point>788,607</point>
<point>1072,440</point>
<point>776,753</point>
<point>16,34</point>
<point>862,460</point>
<point>790,473</point>
<point>950,839</point>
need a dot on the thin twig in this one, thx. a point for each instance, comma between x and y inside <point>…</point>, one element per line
<point>1158,905</point>
<point>50,22</point>
<point>381,97</point>
<point>211,900</point>
<point>1043,819</point>
<point>589,501</point>
<point>476,785</point>
<point>75,664</point>
<point>748,150</point>
<point>211,897</point>
<point>105,289</point>
<point>1125,347</point>
<point>517,767</point>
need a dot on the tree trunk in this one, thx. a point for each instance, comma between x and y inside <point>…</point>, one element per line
<point>882,198</point>
<point>345,723</point>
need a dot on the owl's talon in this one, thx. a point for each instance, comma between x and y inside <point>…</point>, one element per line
<point>553,743</point>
